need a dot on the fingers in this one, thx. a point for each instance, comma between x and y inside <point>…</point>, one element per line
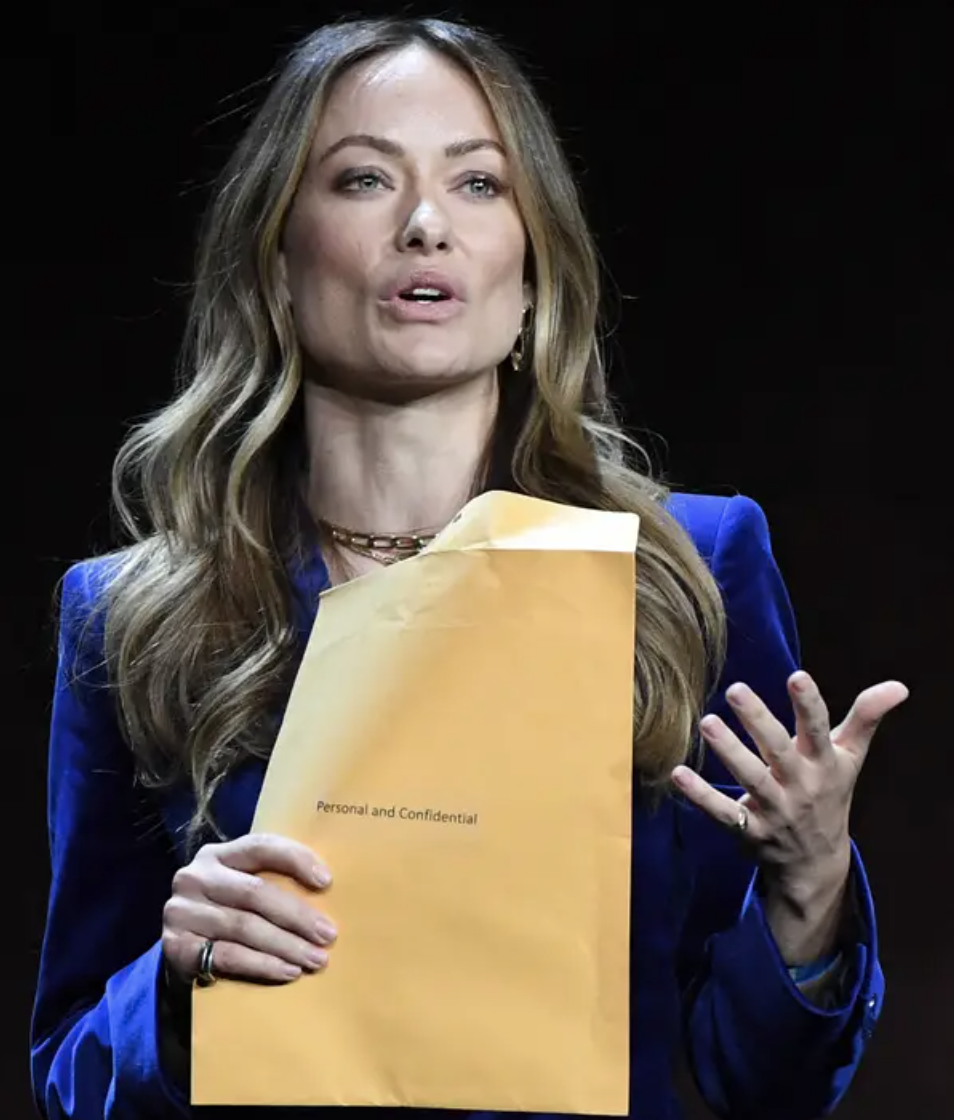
<point>762,777</point>
<point>747,768</point>
<point>722,808</point>
<point>228,959</point>
<point>245,927</point>
<point>870,707</point>
<point>770,736</point>
<point>244,896</point>
<point>248,894</point>
<point>812,726</point>
<point>796,804</point>
<point>261,851</point>
<point>231,959</point>
<point>261,929</point>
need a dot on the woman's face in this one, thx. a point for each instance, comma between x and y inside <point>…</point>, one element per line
<point>403,254</point>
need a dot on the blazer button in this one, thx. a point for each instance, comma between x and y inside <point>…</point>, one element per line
<point>869,1018</point>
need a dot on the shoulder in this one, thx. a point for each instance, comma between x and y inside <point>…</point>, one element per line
<point>82,601</point>
<point>85,581</point>
<point>762,648</point>
<point>84,586</point>
<point>725,530</point>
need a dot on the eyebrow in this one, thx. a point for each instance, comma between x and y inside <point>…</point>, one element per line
<point>390,148</point>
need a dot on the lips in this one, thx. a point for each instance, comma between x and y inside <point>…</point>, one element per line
<point>424,286</point>
<point>423,296</point>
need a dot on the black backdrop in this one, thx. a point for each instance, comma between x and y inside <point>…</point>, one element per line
<point>773,195</point>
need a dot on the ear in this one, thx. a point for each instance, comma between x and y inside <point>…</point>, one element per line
<point>529,295</point>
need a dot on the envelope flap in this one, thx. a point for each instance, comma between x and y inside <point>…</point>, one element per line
<point>502,520</point>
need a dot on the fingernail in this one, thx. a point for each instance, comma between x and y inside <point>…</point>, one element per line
<point>322,876</point>
<point>290,971</point>
<point>800,682</point>
<point>315,958</point>
<point>737,695</point>
<point>325,932</point>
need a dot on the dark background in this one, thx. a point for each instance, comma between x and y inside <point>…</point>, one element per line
<point>773,194</point>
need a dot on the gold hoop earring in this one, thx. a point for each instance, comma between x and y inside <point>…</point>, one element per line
<point>518,354</point>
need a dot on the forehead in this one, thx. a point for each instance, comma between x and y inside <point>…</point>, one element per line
<point>410,93</point>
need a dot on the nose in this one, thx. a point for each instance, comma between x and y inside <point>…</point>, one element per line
<point>426,230</point>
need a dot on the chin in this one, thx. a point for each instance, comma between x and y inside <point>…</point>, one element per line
<point>436,364</point>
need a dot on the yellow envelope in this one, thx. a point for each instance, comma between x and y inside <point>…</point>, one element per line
<point>458,748</point>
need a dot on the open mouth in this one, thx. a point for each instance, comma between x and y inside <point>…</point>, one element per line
<point>423,295</point>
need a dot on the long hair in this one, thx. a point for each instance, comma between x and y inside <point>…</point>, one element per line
<point>201,641</point>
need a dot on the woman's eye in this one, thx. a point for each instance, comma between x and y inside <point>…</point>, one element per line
<point>483,186</point>
<point>360,182</point>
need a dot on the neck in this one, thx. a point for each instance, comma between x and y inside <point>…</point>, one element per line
<point>395,468</point>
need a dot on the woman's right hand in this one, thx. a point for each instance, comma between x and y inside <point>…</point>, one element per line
<point>261,931</point>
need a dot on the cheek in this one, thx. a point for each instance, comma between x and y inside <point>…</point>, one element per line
<point>325,261</point>
<point>505,263</point>
<point>508,294</point>
<point>327,269</point>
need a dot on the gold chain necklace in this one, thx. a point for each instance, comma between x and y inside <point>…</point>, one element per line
<point>386,548</point>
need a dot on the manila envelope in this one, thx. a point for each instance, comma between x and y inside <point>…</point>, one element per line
<point>458,747</point>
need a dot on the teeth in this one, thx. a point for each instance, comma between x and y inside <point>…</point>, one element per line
<point>426,293</point>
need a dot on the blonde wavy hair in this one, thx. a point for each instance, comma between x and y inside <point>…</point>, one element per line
<point>200,632</point>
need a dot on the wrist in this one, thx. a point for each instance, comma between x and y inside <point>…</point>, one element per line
<point>811,889</point>
<point>807,915</point>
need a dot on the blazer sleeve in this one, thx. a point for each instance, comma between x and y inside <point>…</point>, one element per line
<point>94,1038</point>
<point>757,1046</point>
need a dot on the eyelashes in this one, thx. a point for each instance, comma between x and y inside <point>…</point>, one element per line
<point>490,184</point>
<point>368,180</point>
<point>360,181</point>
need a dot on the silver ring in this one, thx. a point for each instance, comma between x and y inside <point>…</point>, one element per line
<point>742,822</point>
<point>204,974</point>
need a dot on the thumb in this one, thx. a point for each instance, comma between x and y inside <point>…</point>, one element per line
<point>857,729</point>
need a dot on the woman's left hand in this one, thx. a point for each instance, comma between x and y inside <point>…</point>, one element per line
<point>798,794</point>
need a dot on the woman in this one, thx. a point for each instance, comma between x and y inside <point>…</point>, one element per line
<point>395,308</point>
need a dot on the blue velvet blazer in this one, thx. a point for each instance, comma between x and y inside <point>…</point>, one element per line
<point>706,974</point>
